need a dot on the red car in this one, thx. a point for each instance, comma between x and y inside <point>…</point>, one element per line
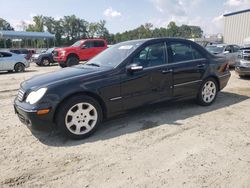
<point>81,50</point>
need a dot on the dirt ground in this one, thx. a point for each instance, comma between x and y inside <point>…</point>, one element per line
<point>166,145</point>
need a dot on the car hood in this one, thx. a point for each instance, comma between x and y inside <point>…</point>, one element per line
<point>67,48</point>
<point>61,76</point>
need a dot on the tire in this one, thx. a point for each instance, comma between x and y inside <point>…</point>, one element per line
<point>79,117</point>
<point>19,67</point>
<point>45,62</point>
<point>62,65</point>
<point>207,92</point>
<point>71,61</point>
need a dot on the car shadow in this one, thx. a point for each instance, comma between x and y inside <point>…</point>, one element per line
<point>167,114</point>
<point>26,71</point>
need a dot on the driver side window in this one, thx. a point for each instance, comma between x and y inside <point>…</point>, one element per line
<point>150,56</point>
<point>89,44</point>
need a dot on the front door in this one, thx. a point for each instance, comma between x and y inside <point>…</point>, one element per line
<point>153,83</point>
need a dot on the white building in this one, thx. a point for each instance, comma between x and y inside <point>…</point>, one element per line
<point>237,27</point>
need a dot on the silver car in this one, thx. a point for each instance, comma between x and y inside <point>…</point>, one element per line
<point>231,52</point>
<point>12,62</point>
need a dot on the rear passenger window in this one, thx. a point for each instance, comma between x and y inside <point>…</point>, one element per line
<point>99,44</point>
<point>236,48</point>
<point>178,52</point>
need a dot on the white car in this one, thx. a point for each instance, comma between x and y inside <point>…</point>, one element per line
<point>12,62</point>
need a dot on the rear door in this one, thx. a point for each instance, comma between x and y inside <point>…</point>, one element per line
<point>99,46</point>
<point>189,66</point>
<point>7,61</point>
<point>153,83</point>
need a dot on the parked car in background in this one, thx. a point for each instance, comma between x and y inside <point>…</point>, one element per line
<point>12,62</point>
<point>82,50</point>
<point>123,77</point>
<point>44,59</point>
<point>232,52</point>
<point>24,52</point>
<point>243,64</point>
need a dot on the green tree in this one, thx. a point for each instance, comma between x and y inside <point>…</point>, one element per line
<point>4,25</point>
<point>38,25</point>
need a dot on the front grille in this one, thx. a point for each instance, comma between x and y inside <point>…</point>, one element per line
<point>246,51</point>
<point>20,95</point>
<point>246,58</point>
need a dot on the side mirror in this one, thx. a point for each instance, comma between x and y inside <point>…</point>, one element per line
<point>134,68</point>
<point>226,52</point>
<point>83,46</point>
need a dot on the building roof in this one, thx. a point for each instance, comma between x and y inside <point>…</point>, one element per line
<point>238,12</point>
<point>25,35</point>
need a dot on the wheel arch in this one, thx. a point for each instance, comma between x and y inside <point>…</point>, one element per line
<point>73,55</point>
<point>80,93</point>
<point>215,78</point>
<point>19,62</point>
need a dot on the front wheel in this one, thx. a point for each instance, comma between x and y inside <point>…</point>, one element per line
<point>19,67</point>
<point>71,61</point>
<point>79,117</point>
<point>207,92</point>
<point>45,62</point>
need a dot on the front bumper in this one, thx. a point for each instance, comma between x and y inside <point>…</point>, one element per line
<point>242,70</point>
<point>59,59</point>
<point>28,115</point>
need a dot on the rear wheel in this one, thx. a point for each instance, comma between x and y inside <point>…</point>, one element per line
<point>19,67</point>
<point>71,61</point>
<point>79,117</point>
<point>45,62</point>
<point>208,92</point>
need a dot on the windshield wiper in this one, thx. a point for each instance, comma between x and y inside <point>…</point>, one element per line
<point>93,64</point>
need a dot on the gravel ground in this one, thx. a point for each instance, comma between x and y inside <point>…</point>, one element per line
<point>164,145</point>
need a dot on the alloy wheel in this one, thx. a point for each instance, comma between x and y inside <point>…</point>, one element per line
<point>81,118</point>
<point>209,91</point>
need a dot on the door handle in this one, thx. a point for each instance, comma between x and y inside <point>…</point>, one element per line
<point>201,66</point>
<point>167,71</point>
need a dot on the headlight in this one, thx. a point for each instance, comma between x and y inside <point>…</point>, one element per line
<point>35,96</point>
<point>63,53</point>
<point>244,63</point>
<point>36,56</point>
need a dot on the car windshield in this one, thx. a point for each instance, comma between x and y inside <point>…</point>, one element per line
<point>50,50</point>
<point>215,49</point>
<point>114,55</point>
<point>78,43</point>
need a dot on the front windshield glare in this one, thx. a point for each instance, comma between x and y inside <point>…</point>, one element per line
<point>50,50</point>
<point>114,55</point>
<point>78,43</point>
<point>215,49</point>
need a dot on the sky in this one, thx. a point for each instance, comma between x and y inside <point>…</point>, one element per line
<point>122,15</point>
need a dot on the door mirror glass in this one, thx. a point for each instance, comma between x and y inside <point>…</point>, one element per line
<point>83,46</point>
<point>134,68</point>
<point>226,52</point>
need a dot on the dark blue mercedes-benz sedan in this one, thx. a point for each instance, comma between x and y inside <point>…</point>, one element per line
<point>127,75</point>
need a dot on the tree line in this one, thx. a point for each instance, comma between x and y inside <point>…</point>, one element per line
<point>69,29</point>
